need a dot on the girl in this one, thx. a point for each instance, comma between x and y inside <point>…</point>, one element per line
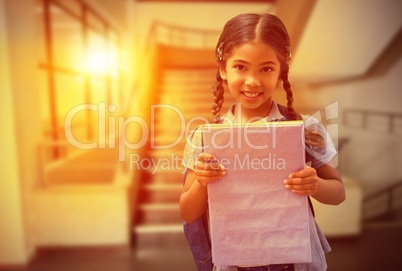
<point>253,54</point>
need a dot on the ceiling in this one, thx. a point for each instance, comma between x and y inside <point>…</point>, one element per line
<point>332,41</point>
<point>345,39</point>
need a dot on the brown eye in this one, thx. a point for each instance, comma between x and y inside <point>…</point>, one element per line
<point>240,67</point>
<point>267,69</point>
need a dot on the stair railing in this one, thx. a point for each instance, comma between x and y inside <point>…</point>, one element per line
<point>389,193</point>
<point>374,120</point>
<point>383,201</point>
<point>174,35</point>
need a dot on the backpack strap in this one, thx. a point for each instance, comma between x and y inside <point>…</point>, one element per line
<point>284,112</point>
<point>197,235</point>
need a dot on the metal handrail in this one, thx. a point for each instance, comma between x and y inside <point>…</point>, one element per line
<point>181,34</point>
<point>389,191</point>
<point>386,190</point>
<point>365,114</point>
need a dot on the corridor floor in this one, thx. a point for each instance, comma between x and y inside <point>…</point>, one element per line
<point>378,248</point>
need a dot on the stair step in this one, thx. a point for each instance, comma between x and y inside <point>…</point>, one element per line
<point>170,153</point>
<point>160,236</point>
<point>159,207</point>
<point>186,90</point>
<point>161,194</point>
<point>195,76</point>
<point>176,138</point>
<point>188,98</point>
<point>167,139</point>
<point>181,120</point>
<point>176,98</point>
<point>190,71</point>
<point>162,213</point>
<point>181,74</point>
<point>188,80</point>
<point>172,177</point>
<point>166,169</point>
<point>163,187</point>
<point>159,229</point>
<point>165,163</point>
<point>194,119</point>
<point>189,109</point>
<point>198,89</point>
<point>177,108</point>
<point>191,118</point>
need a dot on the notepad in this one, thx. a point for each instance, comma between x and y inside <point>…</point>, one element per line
<point>253,219</point>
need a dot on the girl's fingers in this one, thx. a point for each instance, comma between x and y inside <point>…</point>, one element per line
<point>301,181</point>
<point>206,157</point>
<point>207,169</point>
<point>301,187</point>
<point>209,173</point>
<point>210,166</point>
<point>307,185</point>
<point>308,171</point>
<point>205,176</point>
<point>205,180</point>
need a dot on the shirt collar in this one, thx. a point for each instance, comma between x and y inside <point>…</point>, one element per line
<point>275,114</point>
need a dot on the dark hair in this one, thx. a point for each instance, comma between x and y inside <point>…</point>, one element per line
<point>265,28</point>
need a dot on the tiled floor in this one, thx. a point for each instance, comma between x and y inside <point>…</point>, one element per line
<point>379,248</point>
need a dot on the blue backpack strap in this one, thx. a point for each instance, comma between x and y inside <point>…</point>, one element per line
<point>284,112</point>
<point>197,235</point>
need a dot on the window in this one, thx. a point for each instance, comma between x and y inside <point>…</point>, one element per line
<point>79,64</point>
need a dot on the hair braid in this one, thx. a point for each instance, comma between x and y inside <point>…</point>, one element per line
<point>289,94</point>
<point>218,91</point>
<point>312,138</point>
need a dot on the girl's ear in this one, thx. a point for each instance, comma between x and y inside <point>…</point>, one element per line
<point>223,73</point>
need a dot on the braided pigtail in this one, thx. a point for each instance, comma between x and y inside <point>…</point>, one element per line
<point>289,94</point>
<point>312,138</point>
<point>218,91</point>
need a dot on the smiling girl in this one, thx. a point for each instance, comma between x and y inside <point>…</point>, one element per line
<point>253,54</point>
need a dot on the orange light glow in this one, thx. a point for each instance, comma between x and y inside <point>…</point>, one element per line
<point>101,62</point>
<point>97,62</point>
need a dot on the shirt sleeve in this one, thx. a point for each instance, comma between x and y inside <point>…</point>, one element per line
<point>193,148</point>
<point>320,155</point>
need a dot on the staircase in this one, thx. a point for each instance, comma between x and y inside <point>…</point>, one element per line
<point>184,71</point>
<point>184,103</point>
<point>384,206</point>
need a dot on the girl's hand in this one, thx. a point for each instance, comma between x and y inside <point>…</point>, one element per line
<point>207,169</point>
<point>303,182</point>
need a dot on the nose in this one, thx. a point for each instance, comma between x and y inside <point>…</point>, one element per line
<point>253,80</point>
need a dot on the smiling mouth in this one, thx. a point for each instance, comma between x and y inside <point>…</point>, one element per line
<point>251,95</point>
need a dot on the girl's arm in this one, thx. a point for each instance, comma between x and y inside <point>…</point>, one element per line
<point>194,197</point>
<point>324,184</point>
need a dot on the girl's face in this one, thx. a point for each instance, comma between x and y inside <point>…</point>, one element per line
<point>252,73</point>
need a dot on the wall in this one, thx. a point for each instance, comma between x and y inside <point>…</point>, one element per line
<point>210,16</point>
<point>24,211</point>
<point>13,249</point>
<point>372,156</point>
<point>85,215</point>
